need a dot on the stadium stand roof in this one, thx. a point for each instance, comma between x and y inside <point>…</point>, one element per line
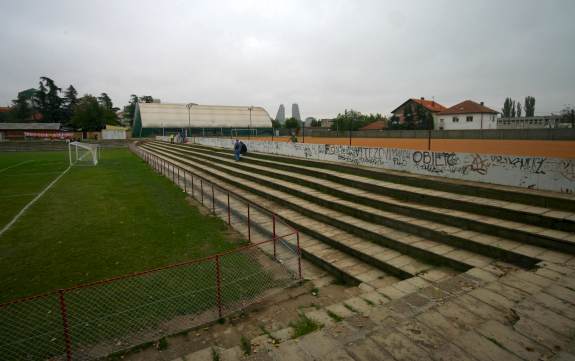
<point>166,115</point>
<point>29,126</point>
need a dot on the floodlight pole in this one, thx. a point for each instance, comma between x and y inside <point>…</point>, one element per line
<point>350,125</point>
<point>189,106</point>
<point>250,127</point>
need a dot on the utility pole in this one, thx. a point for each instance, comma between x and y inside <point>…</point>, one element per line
<point>350,124</point>
<point>250,127</point>
<point>189,132</point>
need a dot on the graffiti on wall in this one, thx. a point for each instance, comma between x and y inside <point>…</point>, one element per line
<point>530,172</point>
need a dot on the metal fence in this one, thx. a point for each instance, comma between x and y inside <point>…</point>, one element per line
<point>98,319</point>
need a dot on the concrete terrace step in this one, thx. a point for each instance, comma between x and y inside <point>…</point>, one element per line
<point>349,268</point>
<point>485,314</point>
<point>544,217</point>
<point>455,238</point>
<point>396,240</point>
<point>537,198</point>
<point>522,232</point>
<point>399,264</point>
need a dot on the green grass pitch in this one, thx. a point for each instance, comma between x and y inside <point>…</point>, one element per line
<point>96,222</point>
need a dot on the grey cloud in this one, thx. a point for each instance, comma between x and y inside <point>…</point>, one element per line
<point>325,55</point>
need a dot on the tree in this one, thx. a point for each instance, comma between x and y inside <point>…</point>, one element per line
<point>130,109</point>
<point>518,110</point>
<point>21,110</point>
<point>568,115</point>
<point>506,110</point>
<point>529,106</point>
<point>292,123</point>
<point>90,115</point>
<point>69,102</point>
<point>48,101</point>
<point>105,101</point>
<point>513,109</point>
<point>6,117</point>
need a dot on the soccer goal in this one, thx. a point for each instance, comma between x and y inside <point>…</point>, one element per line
<point>83,153</point>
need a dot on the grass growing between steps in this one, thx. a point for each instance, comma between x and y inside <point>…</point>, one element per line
<point>304,325</point>
<point>246,346</point>
<point>334,316</point>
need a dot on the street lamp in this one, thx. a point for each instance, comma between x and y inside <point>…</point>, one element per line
<point>250,127</point>
<point>189,106</point>
<point>350,126</point>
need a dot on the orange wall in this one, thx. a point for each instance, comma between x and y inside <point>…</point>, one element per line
<point>541,148</point>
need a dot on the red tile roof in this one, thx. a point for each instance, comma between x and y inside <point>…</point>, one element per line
<point>467,107</point>
<point>430,105</point>
<point>377,125</point>
<point>4,109</point>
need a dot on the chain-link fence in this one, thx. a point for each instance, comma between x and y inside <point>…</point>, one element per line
<point>94,320</point>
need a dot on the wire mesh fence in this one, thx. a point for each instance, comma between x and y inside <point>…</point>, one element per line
<point>94,320</point>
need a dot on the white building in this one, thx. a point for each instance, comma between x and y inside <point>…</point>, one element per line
<point>151,117</point>
<point>466,115</point>
<point>536,122</point>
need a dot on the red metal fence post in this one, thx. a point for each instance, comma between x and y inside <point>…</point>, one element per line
<point>229,211</point>
<point>218,286</point>
<point>193,194</point>
<point>179,181</point>
<point>64,314</point>
<point>274,232</point>
<point>185,182</point>
<point>202,189</point>
<point>249,223</point>
<point>213,200</point>
<point>298,256</point>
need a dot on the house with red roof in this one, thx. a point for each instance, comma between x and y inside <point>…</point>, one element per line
<point>377,125</point>
<point>466,115</point>
<point>415,113</point>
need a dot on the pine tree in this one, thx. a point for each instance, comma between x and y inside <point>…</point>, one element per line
<point>48,101</point>
<point>529,106</point>
<point>518,109</point>
<point>105,101</point>
<point>506,110</point>
<point>69,102</point>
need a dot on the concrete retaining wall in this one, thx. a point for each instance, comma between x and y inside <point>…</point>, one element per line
<point>554,174</point>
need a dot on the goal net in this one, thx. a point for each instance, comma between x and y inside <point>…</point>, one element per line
<point>83,153</point>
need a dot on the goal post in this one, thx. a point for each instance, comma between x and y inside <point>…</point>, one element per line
<point>83,153</point>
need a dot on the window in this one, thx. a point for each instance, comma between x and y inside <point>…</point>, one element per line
<point>469,119</point>
<point>455,119</point>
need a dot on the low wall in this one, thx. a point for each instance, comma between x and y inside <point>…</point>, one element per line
<point>534,134</point>
<point>554,174</point>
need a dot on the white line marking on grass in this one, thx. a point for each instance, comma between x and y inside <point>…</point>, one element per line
<point>16,217</point>
<point>15,165</point>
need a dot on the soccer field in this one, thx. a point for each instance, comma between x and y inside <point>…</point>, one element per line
<point>95,222</point>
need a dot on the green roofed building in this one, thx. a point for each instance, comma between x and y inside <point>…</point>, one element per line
<point>194,119</point>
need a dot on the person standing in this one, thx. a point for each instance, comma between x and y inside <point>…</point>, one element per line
<point>237,149</point>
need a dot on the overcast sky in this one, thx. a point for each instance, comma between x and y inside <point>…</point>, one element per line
<point>325,55</point>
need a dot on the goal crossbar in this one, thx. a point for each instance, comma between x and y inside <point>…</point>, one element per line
<point>85,152</point>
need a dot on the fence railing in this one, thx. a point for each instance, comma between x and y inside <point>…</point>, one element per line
<point>94,320</point>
